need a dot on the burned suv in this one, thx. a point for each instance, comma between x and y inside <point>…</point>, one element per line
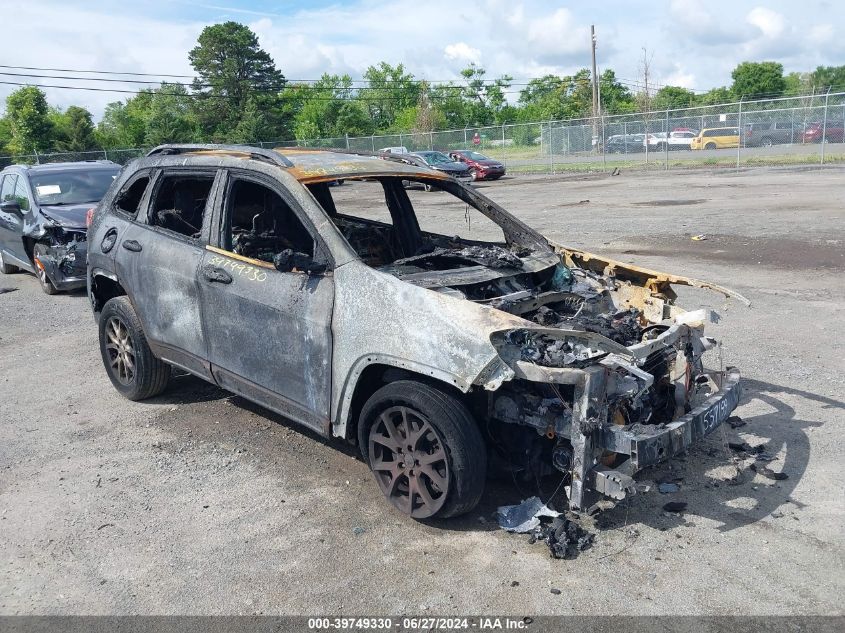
<point>378,315</point>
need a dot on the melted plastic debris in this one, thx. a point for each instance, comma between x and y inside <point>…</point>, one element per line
<point>491,256</point>
<point>525,516</point>
<point>564,537</point>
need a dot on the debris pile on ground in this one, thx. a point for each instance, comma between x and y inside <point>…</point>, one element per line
<point>563,536</point>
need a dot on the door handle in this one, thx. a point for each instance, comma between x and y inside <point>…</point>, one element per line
<point>132,245</point>
<point>216,275</point>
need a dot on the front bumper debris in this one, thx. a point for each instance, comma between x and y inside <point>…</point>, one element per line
<point>643,445</point>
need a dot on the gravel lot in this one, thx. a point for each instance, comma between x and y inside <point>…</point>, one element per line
<point>201,503</point>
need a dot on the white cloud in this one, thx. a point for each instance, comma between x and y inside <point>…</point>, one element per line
<point>696,43</point>
<point>463,52</point>
<point>770,22</point>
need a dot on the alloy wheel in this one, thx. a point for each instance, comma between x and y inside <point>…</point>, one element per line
<point>120,351</point>
<point>409,460</point>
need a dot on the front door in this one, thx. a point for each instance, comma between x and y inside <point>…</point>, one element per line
<point>157,259</point>
<point>268,332</point>
<point>12,189</point>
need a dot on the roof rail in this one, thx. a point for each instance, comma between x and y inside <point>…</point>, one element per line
<point>257,153</point>
<point>397,158</point>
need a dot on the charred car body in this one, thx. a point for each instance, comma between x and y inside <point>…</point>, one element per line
<point>434,353</point>
<point>43,212</point>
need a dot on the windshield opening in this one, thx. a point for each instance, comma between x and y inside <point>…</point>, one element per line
<point>435,158</point>
<point>78,186</point>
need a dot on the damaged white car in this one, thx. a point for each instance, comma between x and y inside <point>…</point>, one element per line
<point>437,354</point>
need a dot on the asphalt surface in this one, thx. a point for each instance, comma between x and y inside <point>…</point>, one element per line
<point>200,503</point>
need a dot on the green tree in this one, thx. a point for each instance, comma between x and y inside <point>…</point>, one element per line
<point>73,130</point>
<point>615,97</point>
<point>758,79</point>
<point>715,96</point>
<point>673,98</point>
<point>232,69</point>
<point>328,109</point>
<point>29,122</point>
<point>389,90</point>
<point>168,117</point>
<point>558,98</point>
<point>484,99</point>
<point>828,77</point>
<point>5,135</point>
<point>124,125</point>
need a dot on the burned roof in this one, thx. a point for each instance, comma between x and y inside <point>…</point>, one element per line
<point>310,165</point>
<point>313,165</point>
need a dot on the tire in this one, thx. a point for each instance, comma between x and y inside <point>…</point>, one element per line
<point>451,432</point>
<point>766,142</point>
<point>710,146</point>
<point>43,279</point>
<point>149,375</point>
<point>7,269</point>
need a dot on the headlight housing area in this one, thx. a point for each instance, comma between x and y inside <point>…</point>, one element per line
<point>553,348</point>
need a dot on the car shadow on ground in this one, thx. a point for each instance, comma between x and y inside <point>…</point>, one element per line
<point>714,481</point>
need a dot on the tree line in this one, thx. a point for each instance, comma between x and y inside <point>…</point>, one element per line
<point>238,95</point>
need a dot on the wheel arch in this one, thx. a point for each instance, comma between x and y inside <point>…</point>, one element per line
<point>104,287</point>
<point>373,371</point>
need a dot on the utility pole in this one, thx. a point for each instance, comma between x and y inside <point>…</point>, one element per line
<point>595,85</point>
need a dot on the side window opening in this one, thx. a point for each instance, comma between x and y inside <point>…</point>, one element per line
<point>180,203</point>
<point>129,199</point>
<point>8,189</point>
<point>262,225</point>
<point>21,195</point>
<point>394,223</point>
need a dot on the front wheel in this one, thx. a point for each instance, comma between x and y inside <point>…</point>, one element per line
<point>424,448</point>
<point>132,368</point>
<point>710,146</point>
<point>43,279</point>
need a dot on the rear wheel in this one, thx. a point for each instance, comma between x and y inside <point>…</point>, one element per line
<point>132,368</point>
<point>6,269</point>
<point>425,450</point>
<point>766,142</point>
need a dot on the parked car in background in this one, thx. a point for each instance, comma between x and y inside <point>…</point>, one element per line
<point>480,166</point>
<point>430,350</point>
<point>43,211</point>
<point>833,131</point>
<point>444,163</point>
<point>659,141</point>
<point>716,138</point>
<point>624,143</point>
<point>767,133</point>
<point>400,149</point>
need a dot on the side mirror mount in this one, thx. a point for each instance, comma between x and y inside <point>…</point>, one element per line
<point>11,206</point>
<point>290,261</point>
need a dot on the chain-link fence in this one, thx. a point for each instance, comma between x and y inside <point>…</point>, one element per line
<point>784,131</point>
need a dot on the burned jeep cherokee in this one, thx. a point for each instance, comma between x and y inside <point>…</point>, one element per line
<point>355,315</point>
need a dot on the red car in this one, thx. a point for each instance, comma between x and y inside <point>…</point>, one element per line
<point>480,166</point>
<point>834,132</point>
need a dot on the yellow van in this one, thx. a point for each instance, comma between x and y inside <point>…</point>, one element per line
<point>716,138</point>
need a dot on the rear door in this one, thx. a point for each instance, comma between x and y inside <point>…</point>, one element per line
<point>157,258</point>
<point>268,332</point>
